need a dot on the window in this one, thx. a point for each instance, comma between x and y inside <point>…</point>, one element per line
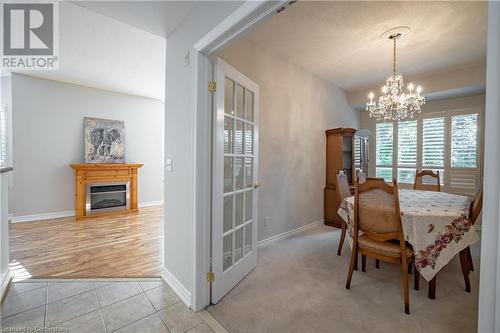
<point>384,140</point>
<point>3,137</point>
<point>407,151</point>
<point>433,145</point>
<point>448,143</point>
<point>464,141</point>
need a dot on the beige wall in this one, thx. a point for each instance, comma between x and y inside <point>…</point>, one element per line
<point>296,108</point>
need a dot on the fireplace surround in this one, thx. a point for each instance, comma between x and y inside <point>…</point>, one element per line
<point>105,189</point>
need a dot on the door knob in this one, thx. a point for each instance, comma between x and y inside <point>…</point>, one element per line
<point>256,185</point>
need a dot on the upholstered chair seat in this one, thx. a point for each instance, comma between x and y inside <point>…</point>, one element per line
<point>386,248</point>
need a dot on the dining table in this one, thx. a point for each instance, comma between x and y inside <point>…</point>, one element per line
<point>436,224</point>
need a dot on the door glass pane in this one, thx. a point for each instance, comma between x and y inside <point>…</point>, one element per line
<point>248,239</point>
<point>238,170</point>
<point>228,135</point>
<point>239,101</point>
<point>227,245</point>
<point>248,205</point>
<point>228,174</point>
<point>238,244</point>
<point>249,105</point>
<point>249,139</point>
<point>238,140</point>
<point>239,209</point>
<point>385,173</point>
<point>228,213</point>
<point>228,96</point>
<point>248,172</point>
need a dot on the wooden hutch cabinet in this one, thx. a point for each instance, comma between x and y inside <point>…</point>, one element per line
<point>346,150</point>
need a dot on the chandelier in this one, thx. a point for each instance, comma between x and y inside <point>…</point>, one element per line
<point>395,104</point>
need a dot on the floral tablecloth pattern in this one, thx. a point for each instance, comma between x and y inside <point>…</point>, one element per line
<point>436,224</point>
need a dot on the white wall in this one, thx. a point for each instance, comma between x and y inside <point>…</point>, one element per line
<point>48,136</point>
<point>489,286</point>
<point>295,109</point>
<point>180,138</point>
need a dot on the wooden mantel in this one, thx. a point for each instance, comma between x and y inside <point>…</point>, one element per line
<point>103,173</point>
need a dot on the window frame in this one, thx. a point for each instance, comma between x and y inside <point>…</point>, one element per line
<point>447,168</point>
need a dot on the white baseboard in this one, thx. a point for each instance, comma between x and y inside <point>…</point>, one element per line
<point>41,217</point>
<point>69,213</point>
<point>176,286</point>
<point>150,203</point>
<point>289,234</point>
<point>5,283</point>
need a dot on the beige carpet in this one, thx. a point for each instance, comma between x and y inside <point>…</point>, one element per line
<point>299,286</point>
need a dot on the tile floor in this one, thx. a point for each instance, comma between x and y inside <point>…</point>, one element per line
<point>94,306</point>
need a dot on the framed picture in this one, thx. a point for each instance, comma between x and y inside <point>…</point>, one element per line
<point>104,141</point>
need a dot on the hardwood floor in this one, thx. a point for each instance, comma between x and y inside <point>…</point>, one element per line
<point>126,245</point>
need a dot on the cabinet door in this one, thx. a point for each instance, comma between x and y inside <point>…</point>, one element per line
<point>348,156</point>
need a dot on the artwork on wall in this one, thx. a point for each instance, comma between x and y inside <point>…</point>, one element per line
<point>104,141</point>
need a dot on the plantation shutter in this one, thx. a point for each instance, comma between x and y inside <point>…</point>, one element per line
<point>384,141</point>
<point>407,151</point>
<point>464,141</point>
<point>433,141</point>
<point>3,137</point>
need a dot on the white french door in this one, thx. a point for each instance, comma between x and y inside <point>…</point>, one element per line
<point>235,174</point>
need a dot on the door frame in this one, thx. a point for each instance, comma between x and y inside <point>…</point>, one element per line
<point>246,17</point>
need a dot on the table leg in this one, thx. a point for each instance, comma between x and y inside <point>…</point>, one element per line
<point>432,288</point>
<point>377,263</point>
<point>363,263</point>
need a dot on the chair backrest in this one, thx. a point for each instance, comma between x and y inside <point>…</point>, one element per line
<point>376,211</point>
<point>343,190</point>
<point>427,180</point>
<point>477,205</point>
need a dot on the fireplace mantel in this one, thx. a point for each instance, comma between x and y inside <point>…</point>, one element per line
<point>104,173</point>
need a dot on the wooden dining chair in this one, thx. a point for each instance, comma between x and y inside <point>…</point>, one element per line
<point>343,192</point>
<point>377,216</point>
<point>475,210</point>
<point>433,183</point>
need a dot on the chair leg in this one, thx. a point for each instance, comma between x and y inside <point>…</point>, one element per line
<point>363,263</point>
<point>464,262</point>
<point>410,266</point>
<point>432,288</point>
<point>406,291</point>
<point>342,238</point>
<point>471,264</point>
<point>356,262</point>
<point>377,263</point>
<point>354,255</point>
<point>416,278</point>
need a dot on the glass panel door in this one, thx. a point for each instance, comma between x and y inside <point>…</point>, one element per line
<point>238,171</point>
<point>234,223</point>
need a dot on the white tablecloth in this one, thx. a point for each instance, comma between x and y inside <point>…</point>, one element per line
<point>436,224</point>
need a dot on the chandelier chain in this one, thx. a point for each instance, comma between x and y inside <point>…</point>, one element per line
<point>394,55</point>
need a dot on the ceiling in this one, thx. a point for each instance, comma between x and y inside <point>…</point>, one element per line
<point>100,52</point>
<point>339,41</point>
<point>157,17</point>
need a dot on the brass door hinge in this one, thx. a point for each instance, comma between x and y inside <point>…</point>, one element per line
<point>210,276</point>
<point>212,86</point>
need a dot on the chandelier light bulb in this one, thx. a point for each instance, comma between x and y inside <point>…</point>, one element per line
<point>410,87</point>
<point>384,89</point>
<point>419,89</point>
